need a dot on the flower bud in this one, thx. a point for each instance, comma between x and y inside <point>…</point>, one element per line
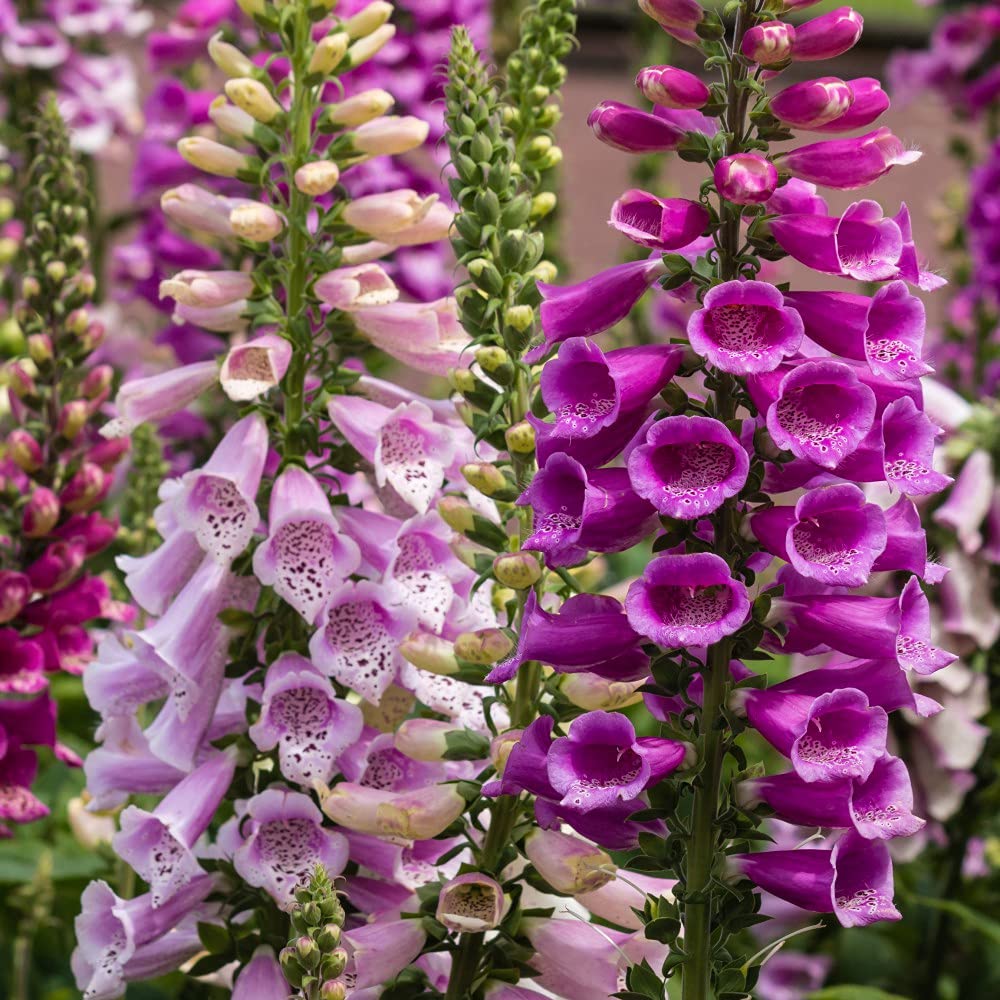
<point>212,157</point>
<point>9,248</point>
<point>334,963</point>
<point>520,438</point>
<point>77,322</point>
<point>332,990</point>
<point>55,271</point>
<point>107,454</point>
<point>485,647</point>
<point>41,513</point>
<point>418,815</point>
<point>290,968</point>
<point>231,120</point>
<point>424,739</point>
<point>384,214</point>
<point>390,135</point>
<point>678,18</point>
<point>746,178</point>
<point>73,418</point>
<point>19,381</point>
<point>670,87</point>
<point>522,318</point>
<point>317,178</point>
<point>328,937</point>
<point>15,592</point>
<point>828,36</point>
<point>569,864</point>
<point>770,44</point>
<point>813,103</point>
<point>207,288</point>
<point>470,904</point>
<point>24,451</point>
<point>328,53</point>
<point>360,108</point>
<point>256,222</point>
<point>307,952</point>
<point>228,58</point>
<point>11,337</point>
<point>40,348</point>
<point>429,652</point>
<point>486,478</point>
<point>501,746</point>
<point>595,693</point>
<point>543,204</point>
<point>85,489</point>
<point>457,513</point>
<point>254,98</point>
<point>57,565</point>
<point>368,19</point>
<point>364,48</point>
<point>97,381</point>
<point>517,570</point>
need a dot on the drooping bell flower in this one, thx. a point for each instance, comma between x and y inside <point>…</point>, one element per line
<point>658,223</point>
<point>878,807</point>
<point>155,579</point>
<point>413,815</point>
<point>261,978</point>
<point>822,413</point>
<point>678,18</point>
<point>633,131</point>
<point>827,36</point>
<point>381,950</point>
<point>869,103</point>
<point>969,501</point>
<point>813,103</point>
<point>745,178</point>
<point>909,264</point>
<point>594,305</point>
<point>792,975</point>
<point>470,904</point>
<point>160,396</point>
<point>906,542</point>
<point>576,511</point>
<point>301,715</point>
<point>283,841</point>
<point>688,466</point>
<point>218,501</point>
<point>590,633</point>
<point>886,330</point>
<point>22,662</point>
<point>353,288</point>
<point>908,438</point>
<point>687,600</point>
<point>847,164</point>
<point>568,864</point>
<point>18,769</point>
<point>853,881</point>
<point>159,845</point>
<point>360,628</point>
<point>745,327</point>
<point>671,87</point>
<point>588,391</point>
<point>251,369</point>
<point>892,627</point>
<point>306,556</point>
<point>409,451</point>
<point>831,534</point>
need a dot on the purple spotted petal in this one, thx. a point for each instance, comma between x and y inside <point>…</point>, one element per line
<point>881,807</point>
<point>862,888</point>
<point>908,438</point>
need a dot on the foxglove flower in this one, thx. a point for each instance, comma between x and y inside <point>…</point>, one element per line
<point>848,164</point>
<point>657,223</point>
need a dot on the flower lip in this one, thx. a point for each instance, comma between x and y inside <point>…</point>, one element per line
<point>745,327</point>
<point>658,223</point>
<point>688,466</point>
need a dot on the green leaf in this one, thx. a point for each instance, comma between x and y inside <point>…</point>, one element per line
<point>973,919</point>
<point>215,938</point>
<point>853,993</point>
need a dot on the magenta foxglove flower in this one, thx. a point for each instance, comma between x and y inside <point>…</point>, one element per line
<point>869,103</point>
<point>847,164</point>
<point>853,881</point>
<point>745,327</point>
<point>796,197</point>
<point>21,664</point>
<point>813,103</point>
<point>827,36</point>
<point>306,555</point>
<point>822,413</point>
<point>18,768</point>
<point>688,466</point>
<point>302,716</point>
<point>831,534</point>
<point>657,223</point>
<point>576,510</point>
<point>589,391</point>
<point>878,807</point>
<point>885,330</point>
<point>746,178</point>
<point>672,88</point>
<point>686,600</point>
<point>159,845</point>
<point>589,633</point>
<point>769,44</point>
<point>284,840</point>
<point>678,18</point>
<point>594,305</point>
<point>633,131</point>
<point>261,978</point>
<point>409,451</point>
<point>358,638</point>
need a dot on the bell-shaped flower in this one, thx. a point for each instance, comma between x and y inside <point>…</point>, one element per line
<point>261,978</point>
<point>671,87</point>
<point>588,391</point>
<point>891,627</point>
<point>379,951</point>
<point>409,451</point>
<point>301,715</point>
<point>361,287</point>
<point>745,327</point>
<point>633,131</point>
<point>827,36</point>
<point>658,223</point>
<point>576,510</point>
<point>283,841</point>
<point>885,330</point>
<point>869,103</point>
<point>853,881</point>
<point>878,807</point>
<point>812,103</point>
<point>589,633</point>
<point>306,556</point>
<point>687,600</point>
<point>463,703</point>
<point>796,197</point>
<point>745,178</point>
<point>470,904</point>
<point>969,502</point>
<point>416,815</point>
<point>426,336</point>
<point>908,438</point>
<point>831,534</point>
<point>594,305</point>
<point>594,450</point>
<point>568,864</point>
<point>965,599</point>
<point>906,543</point>
<point>678,18</point>
<point>157,397</point>
<point>792,975</point>
<point>18,768</point>
<point>155,579</point>
<point>119,940</point>
<point>602,761</point>
<point>617,900</point>
<point>251,369</point>
<point>822,412</point>
<point>360,628</point>
<point>159,845</point>
<point>21,664</point>
<point>847,164</point>
<point>218,501</point>
<point>688,466</point>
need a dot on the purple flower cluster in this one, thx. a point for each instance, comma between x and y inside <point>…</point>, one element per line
<point>822,393</point>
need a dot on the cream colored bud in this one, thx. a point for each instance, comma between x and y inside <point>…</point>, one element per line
<point>520,438</point>
<point>429,652</point>
<point>360,108</point>
<point>318,177</point>
<point>231,120</point>
<point>368,19</point>
<point>254,98</point>
<point>257,222</point>
<point>364,48</point>
<point>593,693</point>
<point>390,135</point>
<point>212,157</point>
<point>228,58</point>
<point>485,647</point>
<point>328,53</point>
